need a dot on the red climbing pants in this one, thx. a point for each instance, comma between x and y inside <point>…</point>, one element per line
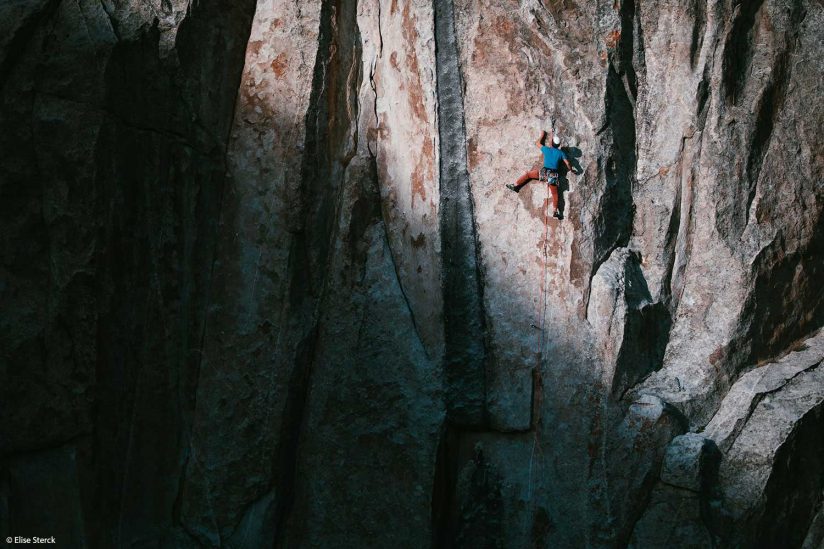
<point>535,174</point>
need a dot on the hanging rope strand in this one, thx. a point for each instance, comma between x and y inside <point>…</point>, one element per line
<point>539,378</point>
<point>543,279</point>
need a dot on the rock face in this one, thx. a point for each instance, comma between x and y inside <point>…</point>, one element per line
<point>114,124</point>
<point>286,300</point>
<point>754,474</point>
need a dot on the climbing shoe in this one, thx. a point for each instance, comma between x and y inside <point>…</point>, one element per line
<point>558,214</point>
<point>512,187</point>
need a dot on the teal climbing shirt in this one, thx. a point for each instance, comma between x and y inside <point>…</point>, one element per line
<point>552,157</point>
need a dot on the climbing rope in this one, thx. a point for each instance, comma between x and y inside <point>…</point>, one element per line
<point>543,278</point>
<point>539,378</point>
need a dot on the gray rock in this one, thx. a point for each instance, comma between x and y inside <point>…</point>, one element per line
<point>680,503</point>
<point>673,518</point>
<point>742,399</point>
<point>632,328</point>
<point>687,459</point>
<point>771,476</point>
<point>634,460</point>
<point>764,487</point>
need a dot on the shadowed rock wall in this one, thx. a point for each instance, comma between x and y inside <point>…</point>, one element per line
<point>114,124</point>
<point>289,301</point>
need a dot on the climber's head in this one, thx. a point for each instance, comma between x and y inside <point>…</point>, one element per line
<point>556,141</point>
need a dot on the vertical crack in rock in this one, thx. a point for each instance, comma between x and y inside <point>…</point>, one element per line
<point>756,80</point>
<point>372,149</point>
<point>289,436</point>
<point>738,50</point>
<point>397,272</point>
<point>753,49</point>
<point>613,223</point>
<point>464,359</point>
<point>699,16</point>
<point>468,502</point>
<point>331,135</point>
<point>672,236</point>
<point>444,515</point>
<point>678,241</point>
<point>465,352</point>
<point>703,98</point>
<point>769,106</point>
<point>680,233</point>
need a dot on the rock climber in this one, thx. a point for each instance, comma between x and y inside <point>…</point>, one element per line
<point>549,172</point>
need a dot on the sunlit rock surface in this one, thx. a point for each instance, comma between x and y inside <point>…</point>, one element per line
<point>284,298</point>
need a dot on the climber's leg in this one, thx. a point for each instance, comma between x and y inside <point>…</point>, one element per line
<point>523,180</point>
<point>554,190</point>
<point>532,174</point>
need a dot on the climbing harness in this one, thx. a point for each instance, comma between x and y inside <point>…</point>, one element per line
<point>549,176</point>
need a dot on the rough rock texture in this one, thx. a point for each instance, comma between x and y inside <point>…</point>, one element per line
<point>632,328</point>
<point>753,476</point>
<point>286,300</point>
<point>114,120</point>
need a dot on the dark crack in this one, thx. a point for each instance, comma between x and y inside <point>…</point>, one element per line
<point>464,323</point>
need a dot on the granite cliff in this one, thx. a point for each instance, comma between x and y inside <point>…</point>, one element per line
<point>262,284</point>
